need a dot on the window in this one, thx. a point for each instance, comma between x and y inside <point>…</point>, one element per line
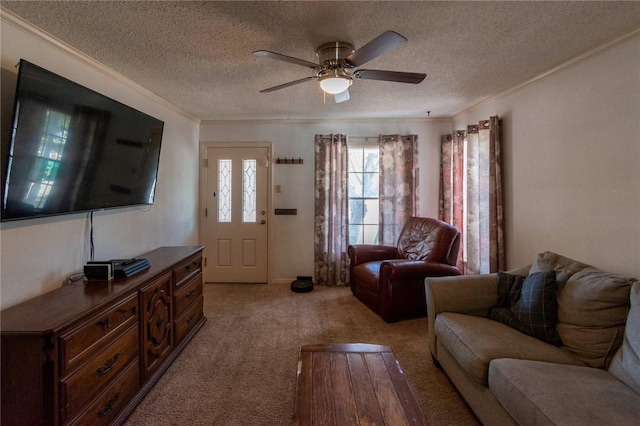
<point>363,176</point>
<point>249,191</point>
<point>224,190</point>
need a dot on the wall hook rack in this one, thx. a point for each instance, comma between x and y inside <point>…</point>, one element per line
<point>289,160</point>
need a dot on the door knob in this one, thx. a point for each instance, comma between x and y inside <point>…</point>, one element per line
<point>262,222</point>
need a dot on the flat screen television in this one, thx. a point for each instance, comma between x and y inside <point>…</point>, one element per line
<point>75,150</point>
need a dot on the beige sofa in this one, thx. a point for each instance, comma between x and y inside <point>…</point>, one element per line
<point>509,377</point>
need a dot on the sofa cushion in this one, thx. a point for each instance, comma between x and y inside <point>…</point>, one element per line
<point>592,311</point>
<point>626,363</point>
<point>529,305</point>
<point>592,307</point>
<point>564,266</point>
<point>541,393</point>
<point>475,341</point>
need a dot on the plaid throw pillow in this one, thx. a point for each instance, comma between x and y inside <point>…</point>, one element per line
<point>529,304</point>
<point>509,287</point>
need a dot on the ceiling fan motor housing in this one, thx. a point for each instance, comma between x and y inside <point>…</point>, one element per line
<point>333,54</point>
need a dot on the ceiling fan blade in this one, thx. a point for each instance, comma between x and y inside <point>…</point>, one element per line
<point>291,83</point>
<point>384,42</point>
<point>285,58</point>
<point>400,77</point>
<point>342,96</point>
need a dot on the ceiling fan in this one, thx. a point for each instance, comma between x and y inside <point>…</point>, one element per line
<point>337,62</point>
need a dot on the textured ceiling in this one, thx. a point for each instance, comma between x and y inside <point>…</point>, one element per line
<point>197,55</point>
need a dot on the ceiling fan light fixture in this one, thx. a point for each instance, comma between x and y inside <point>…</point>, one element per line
<point>335,85</point>
<point>335,81</point>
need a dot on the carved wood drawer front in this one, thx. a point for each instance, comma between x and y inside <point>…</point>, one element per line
<point>188,293</point>
<point>186,322</point>
<point>85,383</point>
<point>103,409</point>
<point>157,338</point>
<point>184,270</point>
<point>78,345</point>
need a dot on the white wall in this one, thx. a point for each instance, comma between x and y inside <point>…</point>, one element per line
<point>37,255</point>
<point>292,244</point>
<point>572,161</point>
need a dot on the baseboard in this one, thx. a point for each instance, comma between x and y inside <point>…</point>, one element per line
<point>279,281</point>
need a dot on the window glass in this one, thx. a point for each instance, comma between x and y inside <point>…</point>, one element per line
<point>248,190</point>
<point>224,190</point>
<point>363,194</point>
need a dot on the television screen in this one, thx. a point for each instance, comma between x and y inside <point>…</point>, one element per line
<point>73,150</point>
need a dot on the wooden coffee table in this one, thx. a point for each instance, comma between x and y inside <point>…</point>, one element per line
<point>353,384</point>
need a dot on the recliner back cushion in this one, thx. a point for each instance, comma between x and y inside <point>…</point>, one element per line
<point>626,363</point>
<point>426,239</point>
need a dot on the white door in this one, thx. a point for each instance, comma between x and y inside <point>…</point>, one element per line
<point>236,222</point>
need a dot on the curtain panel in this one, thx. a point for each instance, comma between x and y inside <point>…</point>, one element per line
<point>471,195</point>
<point>398,184</point>
<point>331,208</point>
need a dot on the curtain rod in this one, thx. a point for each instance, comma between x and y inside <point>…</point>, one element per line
<point>363,137</point>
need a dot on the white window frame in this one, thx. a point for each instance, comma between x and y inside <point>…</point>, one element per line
<point>365,142</point>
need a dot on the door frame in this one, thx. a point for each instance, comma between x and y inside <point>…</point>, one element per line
<point>202,195</point>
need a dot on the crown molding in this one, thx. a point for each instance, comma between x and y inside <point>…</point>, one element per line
<point>570,63</point>
<point>328,120</point>
<point>9,18</point>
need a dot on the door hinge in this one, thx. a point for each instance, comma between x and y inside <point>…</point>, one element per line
<point>205,262</point>
<point>206,212</point>
<point>205,162</point>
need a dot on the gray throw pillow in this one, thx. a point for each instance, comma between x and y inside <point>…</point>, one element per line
<point>529,304</point>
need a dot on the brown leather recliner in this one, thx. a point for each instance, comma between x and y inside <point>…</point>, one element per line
<point>390,280</point>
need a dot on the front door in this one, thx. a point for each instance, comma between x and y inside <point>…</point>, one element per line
<point>236,222</point>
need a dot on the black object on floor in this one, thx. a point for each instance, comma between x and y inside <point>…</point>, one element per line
<point>302,285</point>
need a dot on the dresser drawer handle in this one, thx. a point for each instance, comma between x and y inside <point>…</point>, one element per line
<point>159,322</point>
<point>188,268</point>
<point>109,405</point>
<point>108,365</point>
<point>191,317</point>
<point>105,323</point>
<point>190,294</point>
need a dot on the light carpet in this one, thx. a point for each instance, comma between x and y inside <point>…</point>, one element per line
<point>240,369</point>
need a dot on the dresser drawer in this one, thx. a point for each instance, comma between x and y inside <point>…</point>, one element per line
<point>78,345</point>
<point>187,268</point>
<point>188,293</point>
<point>85,383</point>
<point>157,324</point>
<point>103,409</point>
<point>185,323</point>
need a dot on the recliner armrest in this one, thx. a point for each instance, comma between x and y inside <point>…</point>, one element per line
<point>404,269</point>
<point>467,294</point>
<point>363,253</point>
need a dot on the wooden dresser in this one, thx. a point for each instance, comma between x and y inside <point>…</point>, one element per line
<point>87,353</point>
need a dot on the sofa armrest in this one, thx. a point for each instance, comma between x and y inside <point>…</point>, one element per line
<point>363,253</point>
<point>466,294</point>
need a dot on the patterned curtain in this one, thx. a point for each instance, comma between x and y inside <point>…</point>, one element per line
<point>398,184</point>
<point>331,208</point>
<point>471,195</point>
